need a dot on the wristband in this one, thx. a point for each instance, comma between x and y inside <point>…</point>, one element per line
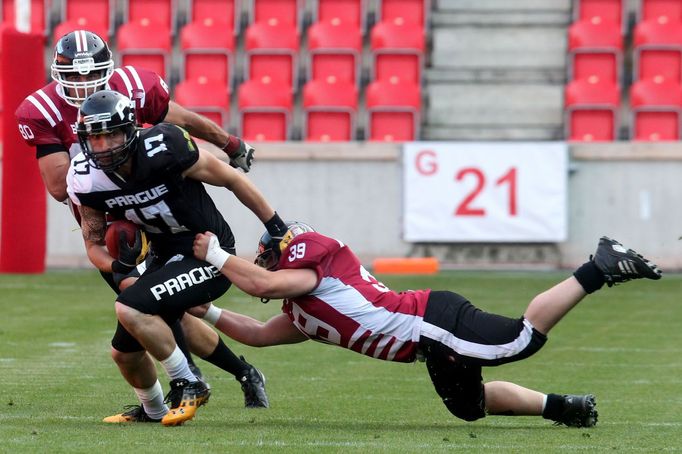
<point>232,145</point>
<point>213,314</point>
<point>215,255</point>
<point>276,226</point>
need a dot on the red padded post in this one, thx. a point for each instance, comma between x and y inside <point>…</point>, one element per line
<point>23,216</point>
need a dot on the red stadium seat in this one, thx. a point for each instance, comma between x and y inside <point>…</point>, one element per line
<point>393,109</point>
<point>595,48</point>
<point>271,52</point>
<point>224,12</point>
<point>264,110</point>
<point>82,24</point>
<point>208,98</point>
<point>158,13</point>
<point>350,12</point>
<point>414,12</point>
<point>329,109</point>
<point>655,9</point>
<point>397,51</point>
<point>592,110</point>
<point>92,15</point>
<point>280,11</point>
<point>658,50</point>
<point>208,48</point>
<point>656,109</point>
<point>606,10</point>
<point>334,49</point>
<point>145,46</point>
<point>39,14</point>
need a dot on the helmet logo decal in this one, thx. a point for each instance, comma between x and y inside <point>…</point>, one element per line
<point>286,239</point>
<point>120,108</point>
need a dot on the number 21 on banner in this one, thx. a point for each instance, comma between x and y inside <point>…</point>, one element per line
<point>466,208</point>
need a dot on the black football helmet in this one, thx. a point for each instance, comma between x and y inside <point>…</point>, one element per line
<point>77,54</point>
<point>107,112</point>
<point>270,247</point>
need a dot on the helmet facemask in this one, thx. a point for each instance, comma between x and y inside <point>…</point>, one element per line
<point>113,157</point>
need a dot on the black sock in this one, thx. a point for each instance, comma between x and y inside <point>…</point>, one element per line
<point>554,406</point>
<point>590,277</point>
<point>179,336</point>
<point>223,357</point>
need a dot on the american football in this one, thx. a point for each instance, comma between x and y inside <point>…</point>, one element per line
<point>113,233</point>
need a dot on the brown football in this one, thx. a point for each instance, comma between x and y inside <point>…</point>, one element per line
<point>113,232</point>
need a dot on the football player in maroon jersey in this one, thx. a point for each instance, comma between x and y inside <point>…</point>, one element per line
<point>83,64</point>
<point>330,297</point>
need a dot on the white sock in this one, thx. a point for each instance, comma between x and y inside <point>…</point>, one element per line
<point>152,400</point>
<point>213,314</point>
<point>176,366</point>
<point>544,403</point>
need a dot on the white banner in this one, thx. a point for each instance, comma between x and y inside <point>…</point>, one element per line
<point>485,192</point>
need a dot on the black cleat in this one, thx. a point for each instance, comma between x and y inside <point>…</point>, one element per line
<point>133,413</point>
<point>196,371</point>
<point>253,386</point>
<point>620,264</point>
<point>183,399</point>
<point>578,411</point>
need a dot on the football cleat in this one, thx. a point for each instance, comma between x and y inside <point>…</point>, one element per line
<point>197,373</point>
<point>619,264</point>
<point>133,413</point>
<point>253,386</point>
<point>578,411</point>
<point>183,399</point>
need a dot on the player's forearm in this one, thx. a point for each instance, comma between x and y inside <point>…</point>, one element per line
<point>241,328</point>
<point>197,125</point>
<point>53,170</point>
<point>99,257</point>
<point>252,279</point>
<point>249,195</point>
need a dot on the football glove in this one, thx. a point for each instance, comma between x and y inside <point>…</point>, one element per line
<point>131,256</point>
<point>242,157</point>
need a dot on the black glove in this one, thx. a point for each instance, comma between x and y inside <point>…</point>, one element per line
<point>242,157</point>
<point>129,256</point>
<point>276,226</point>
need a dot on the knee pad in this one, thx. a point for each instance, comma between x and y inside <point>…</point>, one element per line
<point>467,411</point>
<point>460,386</point>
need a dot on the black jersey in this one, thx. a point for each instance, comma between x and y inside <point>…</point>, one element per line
<point>169,207</point>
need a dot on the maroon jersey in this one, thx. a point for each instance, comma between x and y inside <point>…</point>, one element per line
<point>45,118</point>
<point>349,307</point>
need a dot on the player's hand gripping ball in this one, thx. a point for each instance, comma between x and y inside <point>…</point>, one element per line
<point>126,242</point>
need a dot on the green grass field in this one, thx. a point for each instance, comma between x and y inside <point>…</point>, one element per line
<point>623,344</point>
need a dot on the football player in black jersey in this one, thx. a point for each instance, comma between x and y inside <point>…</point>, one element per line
<point>154,177</point>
